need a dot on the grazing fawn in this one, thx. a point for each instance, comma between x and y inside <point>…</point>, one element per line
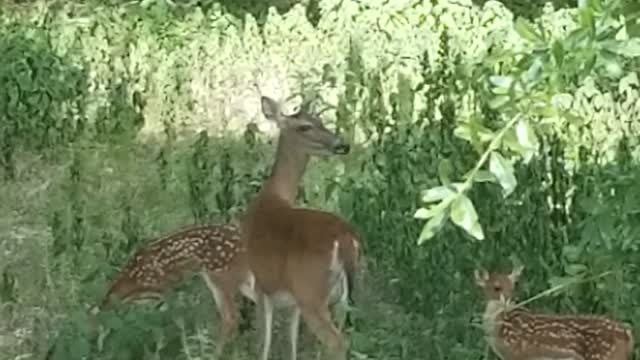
<point>302,259</point>
<point>215,251</point>
<point>516,333</point>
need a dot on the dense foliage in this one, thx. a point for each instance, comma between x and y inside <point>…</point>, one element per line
<point>121,121</point>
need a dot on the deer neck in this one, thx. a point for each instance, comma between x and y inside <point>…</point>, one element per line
<point>491,314</point>
<point>287,171</point>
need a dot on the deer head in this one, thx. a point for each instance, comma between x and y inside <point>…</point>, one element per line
<point>304,131</point>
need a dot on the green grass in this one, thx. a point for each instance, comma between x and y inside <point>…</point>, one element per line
<point>410,305</point>
<point>53,292</point>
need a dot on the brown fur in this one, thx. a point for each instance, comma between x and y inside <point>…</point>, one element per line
<point>215,251</point>
<point>293,251</point>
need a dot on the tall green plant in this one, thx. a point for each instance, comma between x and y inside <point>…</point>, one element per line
<point>526,95</point>
<point>41,99</point>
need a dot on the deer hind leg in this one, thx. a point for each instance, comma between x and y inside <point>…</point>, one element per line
<point>318,318</point>
<point>223,291</point>
<point>340,303</point>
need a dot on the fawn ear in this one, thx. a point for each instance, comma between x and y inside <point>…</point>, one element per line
<point>271,109</point>
<point>481,276</point>
<point>515,273</point>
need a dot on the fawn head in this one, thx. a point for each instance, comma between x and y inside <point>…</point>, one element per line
<point>304,131</point>
<point>497,286</point>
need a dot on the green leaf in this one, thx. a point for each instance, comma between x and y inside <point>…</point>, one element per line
<point>558,52</point>
<point>445,169</point>
<point>526,31</point>
<point>436,194</point>
<point>589,63</point>
<point>612,68</point>
<point>423,214</point>
<point>433,210</point>
<point>575,269</point>
<point>431,227</point>
<point>572,252</point>
<point>527,138</point>
<point>633,29</point>
<point>463,131</point>
<point>484,176</point>
<point>503,170</point>
<point>575,39</point>
<point>498,101</point>
<point>463,214</point>
<point>628,48</point>
<point>587,21</point>
<point>534,71</point>
<point>501,84</point>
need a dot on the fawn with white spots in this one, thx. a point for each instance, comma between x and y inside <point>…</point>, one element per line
<point>516,333</point>
<point>301,258</point>
<point>214,251</point>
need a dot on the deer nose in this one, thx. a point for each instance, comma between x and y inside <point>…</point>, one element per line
<point>342,148</point>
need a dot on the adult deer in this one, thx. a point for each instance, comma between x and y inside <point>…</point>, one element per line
<point>301,258</point>
<point>516,333</point>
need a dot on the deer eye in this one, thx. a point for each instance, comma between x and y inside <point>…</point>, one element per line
<point>304,128</point>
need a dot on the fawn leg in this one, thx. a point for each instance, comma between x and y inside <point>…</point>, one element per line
<point>223,291</point>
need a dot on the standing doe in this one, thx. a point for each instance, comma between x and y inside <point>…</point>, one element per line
<point>301,258</point>
<point>516,333</point>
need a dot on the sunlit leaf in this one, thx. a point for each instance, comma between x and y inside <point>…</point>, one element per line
<point>501,84</point>
<point>463,214</point>
<point>587,21</point>
<point>534,71</point>
<point>527,138</point>
<point>525,30</point>
<point>628,48</point>
<point>463,131</point>
<point>503,170</point>
<point>424,213</point>
<point>436,194</point>
<point>575,39</point>
<point>612,68</point>
<point>498,101</point>
<point>431,227</point>
<point>483,176</point>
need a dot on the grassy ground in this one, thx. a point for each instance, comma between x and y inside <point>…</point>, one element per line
<point>73,216</point>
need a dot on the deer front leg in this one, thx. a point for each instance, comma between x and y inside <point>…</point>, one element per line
<point>265,314</point>
<point>294,329</point>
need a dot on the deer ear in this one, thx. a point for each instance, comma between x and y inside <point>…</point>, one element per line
<point>481,276</point>
<point>270,108</point>
<point>515,273</point>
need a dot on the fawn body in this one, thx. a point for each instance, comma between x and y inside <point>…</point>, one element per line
<point>516,333</point>
<point>213,251</point>
<point>301,258</point>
